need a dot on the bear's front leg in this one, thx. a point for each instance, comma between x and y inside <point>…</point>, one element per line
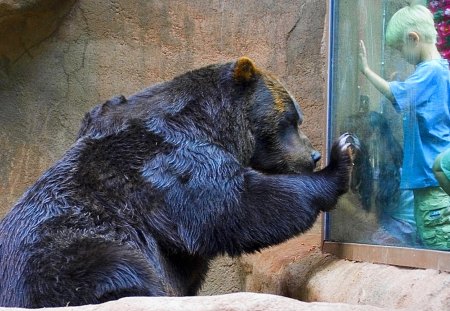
<point>274,208</point>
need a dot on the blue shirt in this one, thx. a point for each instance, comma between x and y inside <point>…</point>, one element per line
<point>423,100</point>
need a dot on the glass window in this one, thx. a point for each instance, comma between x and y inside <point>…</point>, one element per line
<point>402,121</point>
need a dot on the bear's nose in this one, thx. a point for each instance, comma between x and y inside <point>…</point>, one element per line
<point>315,155</point>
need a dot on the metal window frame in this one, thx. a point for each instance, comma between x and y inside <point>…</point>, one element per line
<point>391,255</point>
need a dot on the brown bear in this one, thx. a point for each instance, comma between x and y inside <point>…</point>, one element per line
<point>156,185</point>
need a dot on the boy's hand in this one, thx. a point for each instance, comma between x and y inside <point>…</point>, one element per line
<point>363,65</point>
<point>380,84</point>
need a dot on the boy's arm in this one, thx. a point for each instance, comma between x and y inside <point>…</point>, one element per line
<point>378,82</point>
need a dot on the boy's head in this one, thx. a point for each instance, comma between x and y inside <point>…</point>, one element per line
<point>411,19</point>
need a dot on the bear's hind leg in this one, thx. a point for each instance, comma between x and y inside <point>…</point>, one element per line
<point>88,271</point>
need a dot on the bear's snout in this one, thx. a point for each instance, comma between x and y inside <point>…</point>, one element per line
<point>316,156</point>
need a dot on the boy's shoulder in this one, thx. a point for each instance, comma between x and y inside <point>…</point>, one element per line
<point>429,71</point>
<point>440,64</point>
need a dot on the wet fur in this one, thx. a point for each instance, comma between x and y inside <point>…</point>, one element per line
<point>159,184</point>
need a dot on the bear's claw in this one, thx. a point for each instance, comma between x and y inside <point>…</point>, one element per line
<point>350,143</point>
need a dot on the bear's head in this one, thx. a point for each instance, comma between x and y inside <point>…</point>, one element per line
<point>235,105</point>
<point>276,118</point>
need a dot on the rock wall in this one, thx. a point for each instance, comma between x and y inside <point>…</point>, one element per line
<point>58,58</point>
<point>83,52</point>
<point>24,24</point>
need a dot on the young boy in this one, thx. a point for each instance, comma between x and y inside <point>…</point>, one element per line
<point>423,101</point>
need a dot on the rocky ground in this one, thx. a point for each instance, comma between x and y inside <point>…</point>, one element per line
<point>229,302</point>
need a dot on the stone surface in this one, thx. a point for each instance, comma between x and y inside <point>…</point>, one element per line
<point>298,269</point>
<point>380,285</point>
<point>224,276</point>
<point>24,24</point>
<point>230,302</point>
<point>283,269</point>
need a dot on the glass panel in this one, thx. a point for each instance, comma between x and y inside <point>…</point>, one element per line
<point>392,166</point>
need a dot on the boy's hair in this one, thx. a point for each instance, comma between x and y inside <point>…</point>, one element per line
<point>414,18</point>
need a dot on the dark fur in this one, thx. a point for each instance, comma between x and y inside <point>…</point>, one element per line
<point>383,190</point>
<point>158,184</point>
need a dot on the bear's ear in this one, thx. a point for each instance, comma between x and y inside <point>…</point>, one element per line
<point>244,70</point>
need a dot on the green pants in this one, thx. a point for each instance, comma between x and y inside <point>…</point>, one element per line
<point>432,213</point>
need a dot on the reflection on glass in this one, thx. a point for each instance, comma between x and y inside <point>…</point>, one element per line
<point>390,86</point>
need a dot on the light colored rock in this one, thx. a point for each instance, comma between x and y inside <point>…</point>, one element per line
<point>230,302</point>
<point>224,276</point>
<point>380,285</point>
<point>298,269</point>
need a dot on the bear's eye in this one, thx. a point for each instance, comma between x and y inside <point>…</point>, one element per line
<point>292,118</point>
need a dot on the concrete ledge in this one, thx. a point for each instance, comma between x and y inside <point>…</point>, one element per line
<point>298,269</point>
<point>230,302</point>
